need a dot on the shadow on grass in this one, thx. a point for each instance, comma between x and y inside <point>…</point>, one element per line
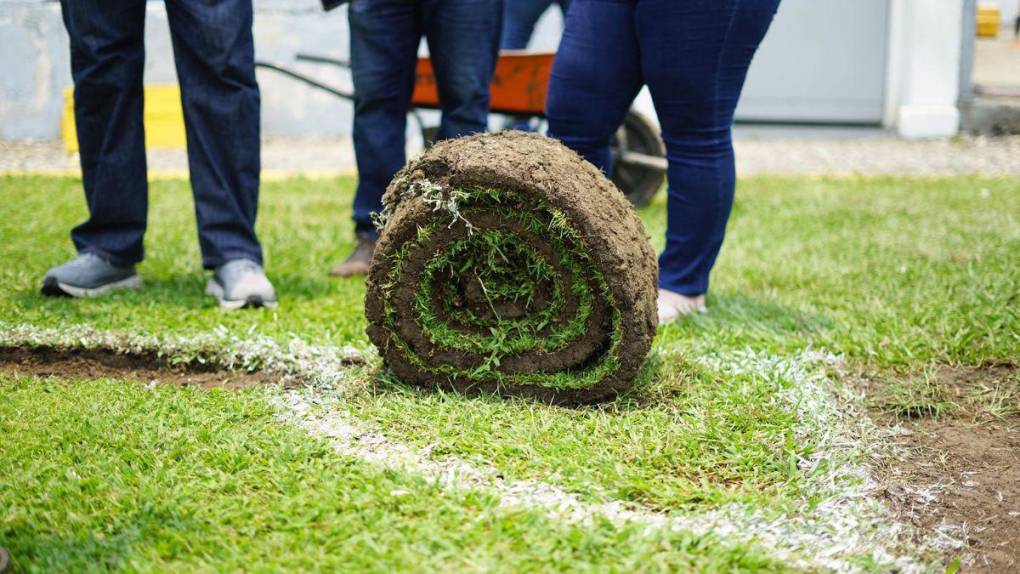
<point>126,541</point>
<point>644,393</point>
<point>178,292</point>
<point>751,318</point>
<point>187,292</point>
<point>735,322</point>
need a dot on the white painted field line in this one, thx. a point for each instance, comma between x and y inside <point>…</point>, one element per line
<point>848,522</point>
<point>803,542</point>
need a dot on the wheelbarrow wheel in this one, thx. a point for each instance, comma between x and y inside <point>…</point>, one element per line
<point>639,164</point>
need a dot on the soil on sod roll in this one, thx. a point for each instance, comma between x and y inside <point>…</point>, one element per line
<point>508,264</point>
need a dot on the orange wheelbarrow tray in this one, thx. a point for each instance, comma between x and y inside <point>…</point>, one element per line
<point>519,88</point>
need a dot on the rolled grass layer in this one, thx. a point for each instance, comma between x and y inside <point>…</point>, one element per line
<point>508,264</point>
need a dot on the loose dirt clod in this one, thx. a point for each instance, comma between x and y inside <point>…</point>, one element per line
<point>508,264</point>
<point>78,364</point>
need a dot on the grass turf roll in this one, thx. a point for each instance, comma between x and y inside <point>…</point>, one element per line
<point>508,264</point>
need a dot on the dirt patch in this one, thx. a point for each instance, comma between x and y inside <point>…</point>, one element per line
<point>599,296</point>
<point>99,363</point>
<point>956,470</point>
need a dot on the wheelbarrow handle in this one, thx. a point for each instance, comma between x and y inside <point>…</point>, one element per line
<point>316,59</point>
<point>303,78</point>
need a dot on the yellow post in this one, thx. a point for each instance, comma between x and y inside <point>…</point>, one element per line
<point>163,118</point>
<point>989,18</point>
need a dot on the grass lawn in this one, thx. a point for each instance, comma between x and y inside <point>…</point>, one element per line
<point>896,275</point>
<point>107,475</point>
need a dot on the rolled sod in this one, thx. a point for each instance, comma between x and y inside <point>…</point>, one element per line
<point>508,264</point>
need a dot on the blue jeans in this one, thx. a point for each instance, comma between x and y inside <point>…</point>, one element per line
<point>214,53</point>
<point>694,56</point>
<point>463,39</point>
<point>520,17</point>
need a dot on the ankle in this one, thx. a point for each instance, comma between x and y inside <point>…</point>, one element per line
<point>672,305</point>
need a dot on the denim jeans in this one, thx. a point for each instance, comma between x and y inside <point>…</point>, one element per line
<point>520,17</point>
<point>694,56</point>
<point>463,39</point>
<point>214,53</point>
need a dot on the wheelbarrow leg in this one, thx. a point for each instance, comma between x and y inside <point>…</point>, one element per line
<point>639,159</point>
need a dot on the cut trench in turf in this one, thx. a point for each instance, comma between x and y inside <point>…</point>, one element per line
<point>76,364</point>
<point>508,264</point>
<point>956,466</point>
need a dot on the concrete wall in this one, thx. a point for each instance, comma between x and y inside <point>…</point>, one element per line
<point>34,60</point>
<point>36,69</point>
<point>921,88</point>
<point>1009,10</point>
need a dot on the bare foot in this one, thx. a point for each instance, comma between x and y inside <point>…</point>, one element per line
<point>672,305</point>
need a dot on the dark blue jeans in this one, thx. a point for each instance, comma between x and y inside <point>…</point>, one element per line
<point>520,17</point>
<point>463,39</point>
<point>694,56</point>
<point>214,52</point>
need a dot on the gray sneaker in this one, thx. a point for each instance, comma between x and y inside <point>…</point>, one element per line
<point>88,275</point>
<point>241,283</point>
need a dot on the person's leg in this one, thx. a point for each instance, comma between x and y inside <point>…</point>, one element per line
<point>384,45</point>
<point>107,60</point>
<point>695,55</point>
<point>215,57</point>
<point>595,78</point>
<point>519,19</point>
<point>463,37</point>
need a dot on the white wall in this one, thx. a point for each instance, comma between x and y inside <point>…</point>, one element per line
<point>1009,10</point>
<point>923,83</point>
<point>36,70</point>
<point>821,61</point>
<point>920,92</point>
<point>34,62</point>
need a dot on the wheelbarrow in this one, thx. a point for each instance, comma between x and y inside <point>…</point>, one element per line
<point>519,87</point>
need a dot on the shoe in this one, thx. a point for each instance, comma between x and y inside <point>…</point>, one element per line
<point>672,305</point>
<point>241,283</point>
<point>359,261</point>
<point>88,275</point>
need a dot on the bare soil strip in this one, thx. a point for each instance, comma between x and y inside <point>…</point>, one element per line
<point>957,471</point>
<point>144,367</point>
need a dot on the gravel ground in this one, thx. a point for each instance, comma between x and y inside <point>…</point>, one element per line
<point>779,151</point>
<point>281,156</point>
<point>882,155</point>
